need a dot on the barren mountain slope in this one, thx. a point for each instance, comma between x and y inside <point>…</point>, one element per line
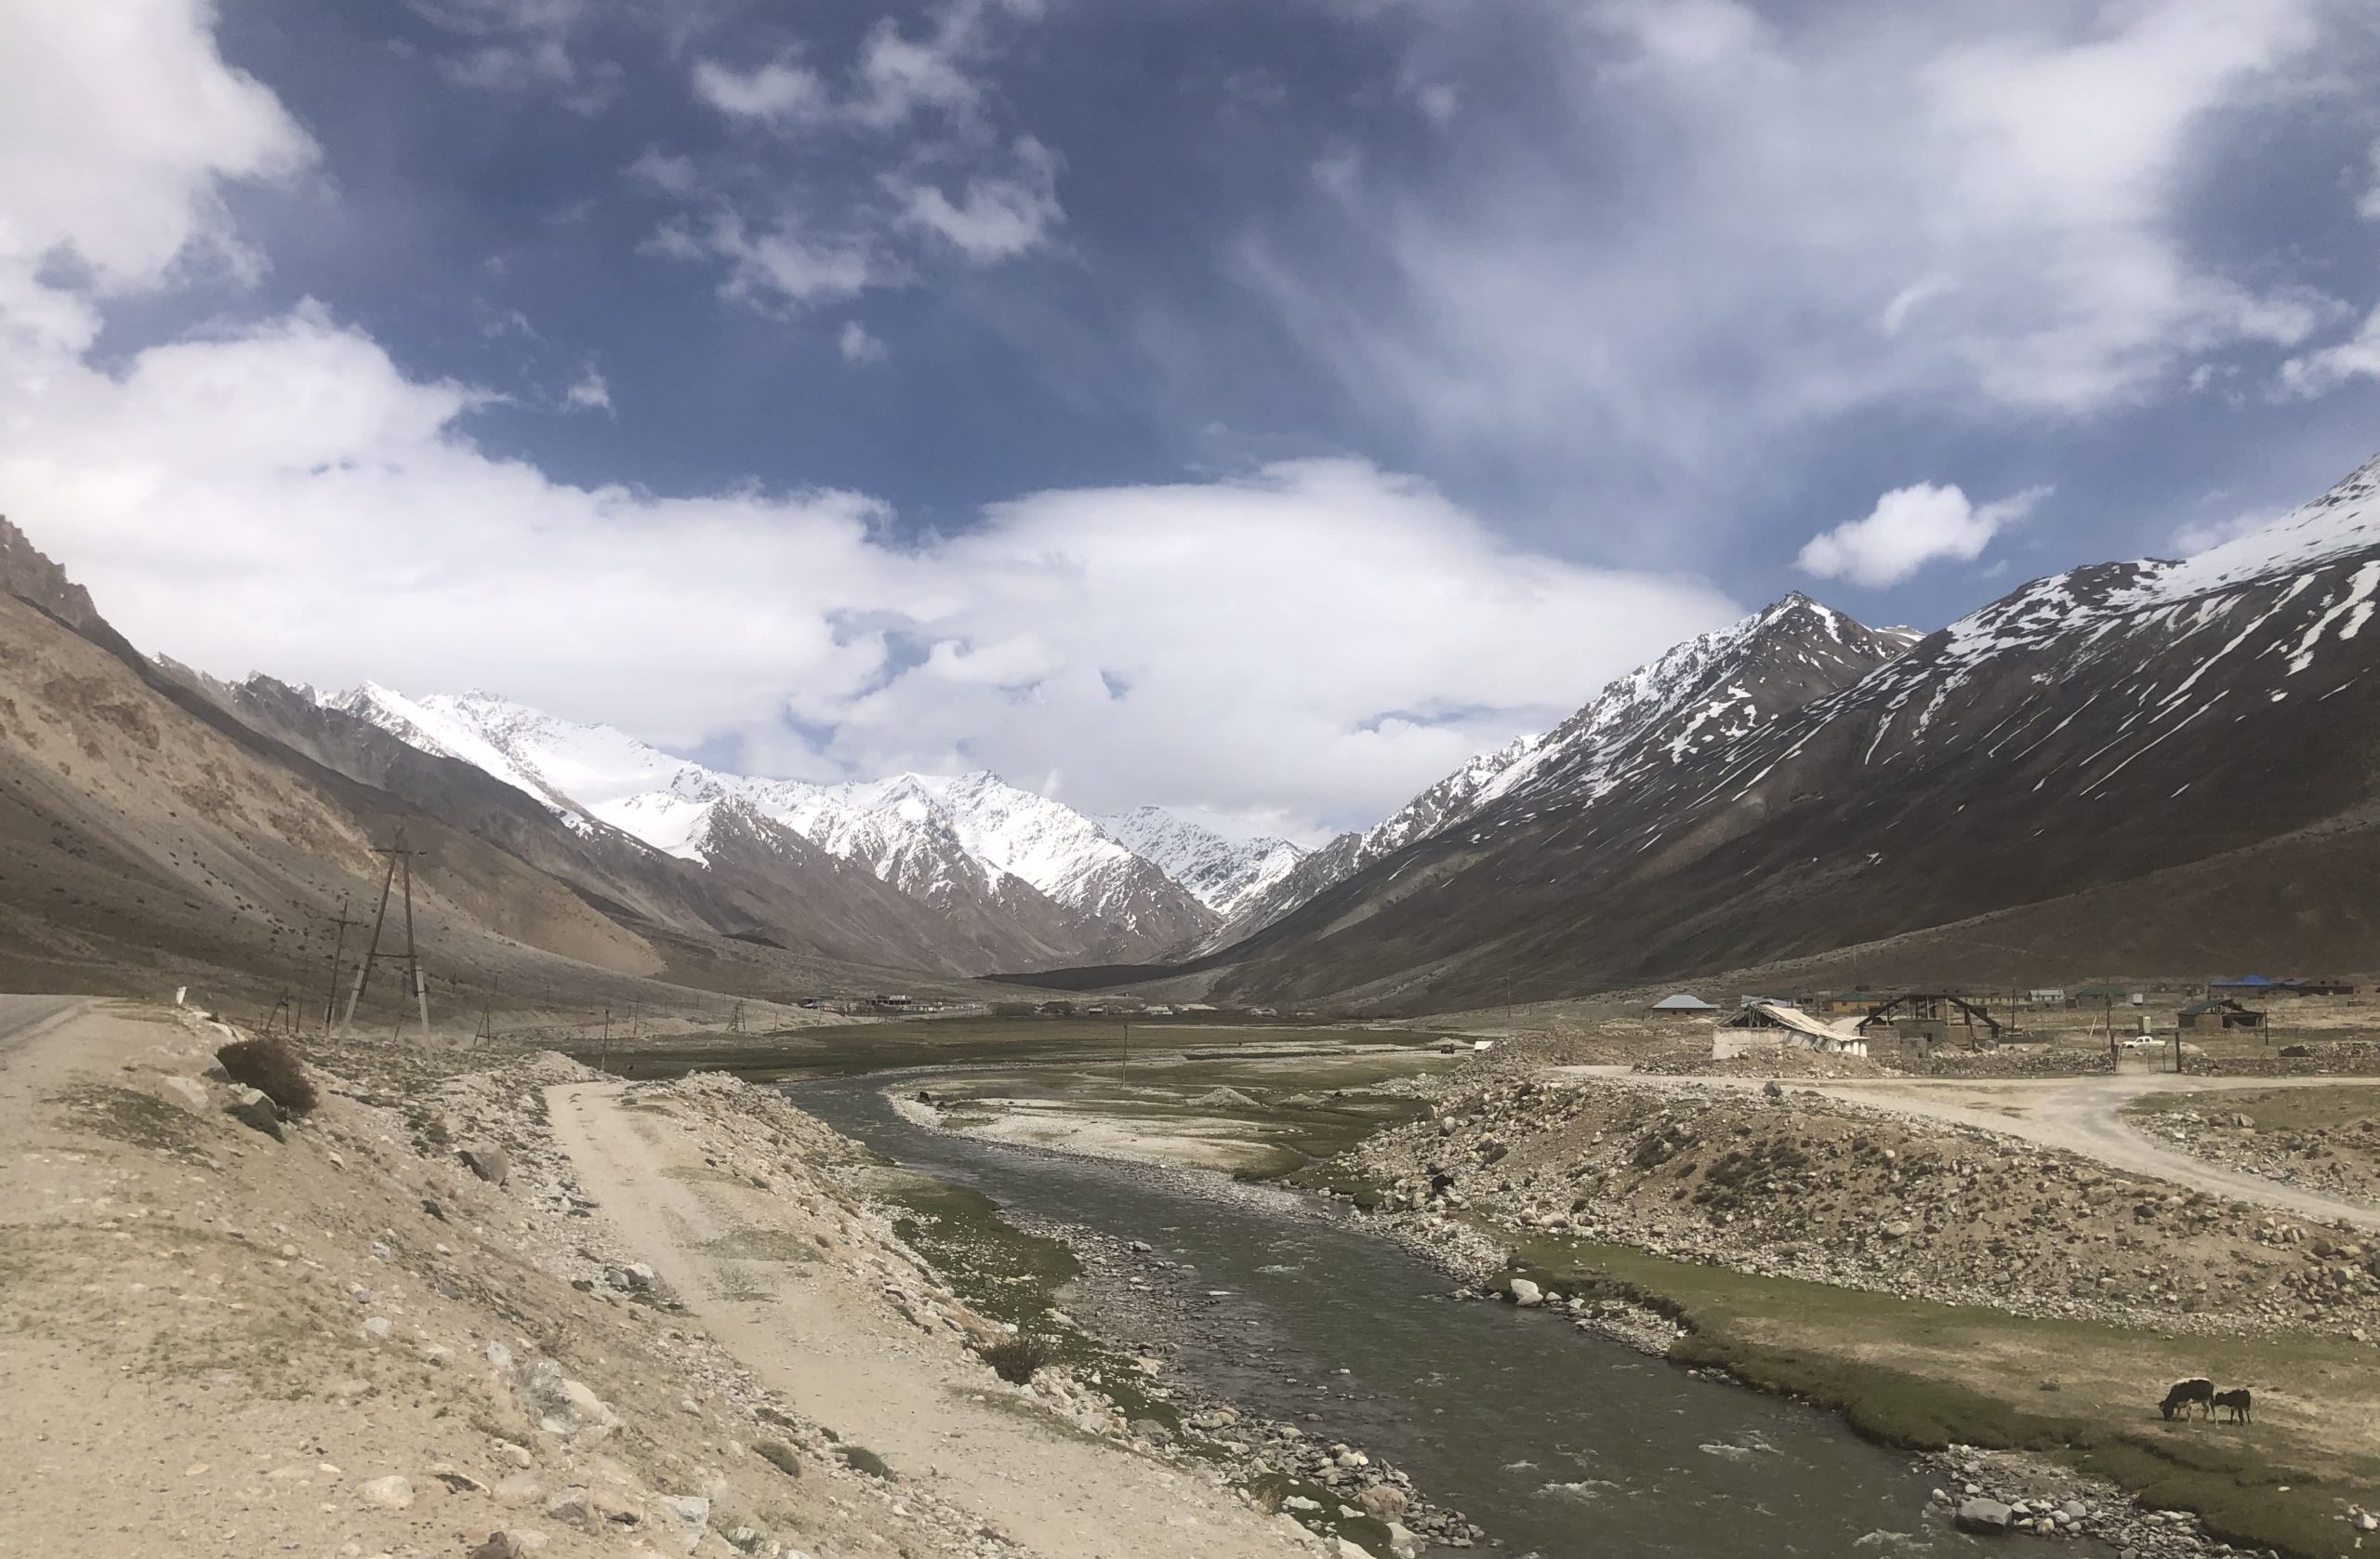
<point>2083,733</point>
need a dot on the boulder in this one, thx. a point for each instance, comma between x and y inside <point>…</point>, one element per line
<point>252,1109</point>
<point>680,1520</point>
<point>189,1090</point>
<point>1525,1293</point>
<point>571,1507</point>
<point>486,1160</point>
<point>1383,1499</point>
<point>562,1405</point>
<point>1983,1516</point>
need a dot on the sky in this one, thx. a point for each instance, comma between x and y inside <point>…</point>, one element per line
<point>1254,406</point>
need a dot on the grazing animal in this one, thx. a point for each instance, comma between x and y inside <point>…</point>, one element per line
<point>2186,1393</point>
<point>2241,1404</point>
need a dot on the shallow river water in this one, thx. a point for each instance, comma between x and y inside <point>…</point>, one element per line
<point>1558,1444</point>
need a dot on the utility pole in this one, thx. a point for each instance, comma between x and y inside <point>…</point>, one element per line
<point>400,860</point>
<point>338,951</point>
<point>487,1015</point>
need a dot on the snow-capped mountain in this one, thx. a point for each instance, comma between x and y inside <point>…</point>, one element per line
<point>1222,871</point>
<point>2162,762</point>
<point>968,841</point>
<point>1702,692</point>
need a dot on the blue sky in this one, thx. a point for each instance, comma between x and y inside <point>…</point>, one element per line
<point>1248,407</point>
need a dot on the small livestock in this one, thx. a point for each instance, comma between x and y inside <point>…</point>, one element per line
<point>2184,1394</point>
<point>2240,1403</point>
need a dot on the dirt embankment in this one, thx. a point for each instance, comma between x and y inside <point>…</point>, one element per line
<point>1799,1185</point>
<point>2323,1138</point>
<point>344,1339</point>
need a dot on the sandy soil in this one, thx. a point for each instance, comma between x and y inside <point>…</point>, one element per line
<point>343,1343</point>
<point>920,1401</point>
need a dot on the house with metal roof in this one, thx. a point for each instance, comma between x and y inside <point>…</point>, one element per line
<point>1683,1002</point>
<point>1772,1024</point>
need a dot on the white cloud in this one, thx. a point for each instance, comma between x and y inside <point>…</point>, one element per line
<point>2319,372</point>
<point>1909,528</point>
<point>116,124</point>
<point>2201,535</point>
<point>1283,637</point>
<point>858,346</point>
<point>589,392</point>
<point>2367,206</point>
<point>777,266</point>
<point>778,93</point>
<point>999,216</point>
<point>1739,222</point>
<point>656,170</point>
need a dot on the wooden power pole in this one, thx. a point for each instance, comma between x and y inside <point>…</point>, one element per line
<point>339,954</point>
<point>400,863</point>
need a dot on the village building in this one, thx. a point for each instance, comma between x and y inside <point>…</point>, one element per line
<point>1681,1004</point>
<point>2220,1012</point>
<point>1773,1026</point>
<point>1929,1016</point>
<point>2245,985</point>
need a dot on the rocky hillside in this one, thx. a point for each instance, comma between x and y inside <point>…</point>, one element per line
<point>2124,723</point>
<point>1713,686</point>
<point>157,828</point>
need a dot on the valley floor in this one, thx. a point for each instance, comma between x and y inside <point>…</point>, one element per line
<point>2014,1262</point>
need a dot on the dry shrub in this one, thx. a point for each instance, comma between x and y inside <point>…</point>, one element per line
<point>1016,1359</point>
<point>271,1067</point>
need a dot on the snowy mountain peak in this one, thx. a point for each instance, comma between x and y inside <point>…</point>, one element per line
<point>940,837</point>
<point>1220,871</point>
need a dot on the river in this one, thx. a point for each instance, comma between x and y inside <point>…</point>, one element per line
<point>1558,1444</point>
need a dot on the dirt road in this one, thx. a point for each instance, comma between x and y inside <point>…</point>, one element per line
<point>2082,1116</point>
<point>26,1018</point>
<point>818,1331</point>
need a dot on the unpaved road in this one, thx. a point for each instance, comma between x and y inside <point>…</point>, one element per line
<point>2082,1116</point>
<point>25,1018</point>
<point>803,1325</point>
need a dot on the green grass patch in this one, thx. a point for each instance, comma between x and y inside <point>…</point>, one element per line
<point>1919,1375</point>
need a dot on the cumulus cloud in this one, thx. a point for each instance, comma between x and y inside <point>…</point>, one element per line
<point>858,346</point>
<point>1909,528</point>
<point>1320,637</point>
<point>1310,640</point>
<point>778,93</point>
<point>2319,372</point>
<point>997,218</point>
<point>589,392</point>
<point>116,124</point>
<point>779,265</point>
<point>2367,206</point>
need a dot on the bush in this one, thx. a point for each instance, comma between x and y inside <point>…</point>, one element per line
<point>271,1067</point>
<point>1016,1359</point>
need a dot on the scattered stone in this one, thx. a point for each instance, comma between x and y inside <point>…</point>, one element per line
<point>1525,1293</point>
<point>391,1493</point>
<point>519,1488</point>
<point>1983,1516</point>
<point>456,1479</point>
<point>518,1544</point>
<point>682,1518</point>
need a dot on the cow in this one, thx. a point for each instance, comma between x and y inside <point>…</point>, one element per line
<point>2240,1403</point>
<point>2184,1394</point>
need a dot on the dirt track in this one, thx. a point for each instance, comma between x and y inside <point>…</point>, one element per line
<point>803,1325</point>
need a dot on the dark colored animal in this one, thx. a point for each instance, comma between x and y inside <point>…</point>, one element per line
<point>2240,1403</point>
<point>2184,1394</point>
